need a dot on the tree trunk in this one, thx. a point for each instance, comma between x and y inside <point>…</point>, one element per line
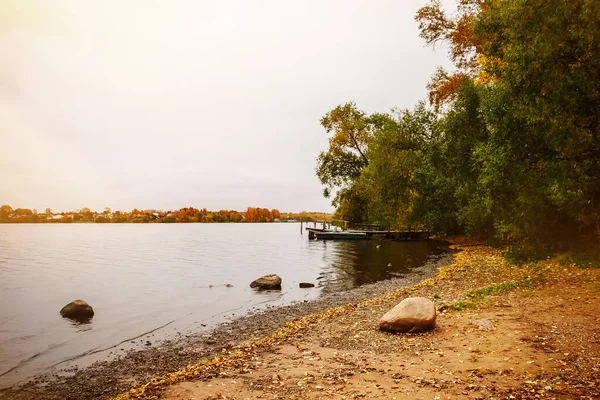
<point>357,147</point>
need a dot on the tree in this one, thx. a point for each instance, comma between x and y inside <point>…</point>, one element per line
<point>276,214</point>
<point>464,46</point>
<point>251,215</point>
<point>86,214</point>
<point>346,157</point>
<point>535,69</point>
<point>548,70</point>
<point>352,204</point>
<point>5,212</point>
<point>396,152</point>
<point>22,212</point>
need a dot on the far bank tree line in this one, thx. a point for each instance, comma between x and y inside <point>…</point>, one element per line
<point>508,146</point>
<point>183,215</point>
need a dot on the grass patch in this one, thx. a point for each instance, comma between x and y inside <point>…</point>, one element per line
<point>504,287</point>
<point>457,306</point>
<point>478,295</point>
<point>580,259</point>
<point>522,254</point>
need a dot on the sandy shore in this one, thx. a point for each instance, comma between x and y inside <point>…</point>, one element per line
<point>107,379</point>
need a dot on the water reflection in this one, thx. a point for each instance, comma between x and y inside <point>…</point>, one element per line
<point>355,263</point>
<point>81,324</point>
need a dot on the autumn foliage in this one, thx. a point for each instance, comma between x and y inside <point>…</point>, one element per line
<point>465,46</point>
<point>255,214</point>
<point>183,215</point>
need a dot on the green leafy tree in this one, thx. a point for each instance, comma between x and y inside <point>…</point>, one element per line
<point>533,173</point>
<point>396,152</point>
<point>546,71</point>
<point>342,163</point>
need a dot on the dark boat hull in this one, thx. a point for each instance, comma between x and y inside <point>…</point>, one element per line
<point>340,235</point>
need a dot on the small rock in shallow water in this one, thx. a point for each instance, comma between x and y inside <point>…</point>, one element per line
<point>306,285</point>
<point>77,309</point>
<point>267,282</point>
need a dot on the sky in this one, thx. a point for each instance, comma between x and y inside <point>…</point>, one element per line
<point>210,104</point>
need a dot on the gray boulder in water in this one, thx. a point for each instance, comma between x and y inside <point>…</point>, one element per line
<point>267,282</point>
<point>77,309</point>
<point>413,314</point>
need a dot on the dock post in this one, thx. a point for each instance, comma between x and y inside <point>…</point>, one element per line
<point>300,225</point>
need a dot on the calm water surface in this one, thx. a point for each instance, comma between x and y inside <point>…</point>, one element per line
<point>155,280</point>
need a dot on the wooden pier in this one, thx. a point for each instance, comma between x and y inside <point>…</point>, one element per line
<point>370,233</point>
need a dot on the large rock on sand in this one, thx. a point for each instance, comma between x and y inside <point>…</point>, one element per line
<point>414,314</point>
<point>267,282</point>
<point>77,309</point>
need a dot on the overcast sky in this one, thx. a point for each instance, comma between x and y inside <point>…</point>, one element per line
<point>216,104</point>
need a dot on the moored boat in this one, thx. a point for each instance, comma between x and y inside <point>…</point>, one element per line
<point>340,235</point>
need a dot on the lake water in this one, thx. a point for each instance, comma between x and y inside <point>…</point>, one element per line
<point>157,278</point>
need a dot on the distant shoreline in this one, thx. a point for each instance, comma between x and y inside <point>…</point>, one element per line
<point>139,222</point>
<point>8,215</point>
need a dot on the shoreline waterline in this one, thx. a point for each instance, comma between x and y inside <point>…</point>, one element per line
<point>98,380</point>
<point>141,278</point>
